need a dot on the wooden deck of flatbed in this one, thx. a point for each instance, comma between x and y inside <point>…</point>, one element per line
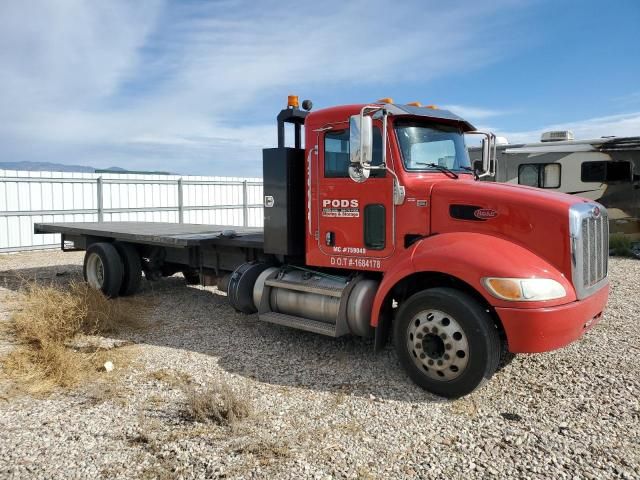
<point>160,234</point>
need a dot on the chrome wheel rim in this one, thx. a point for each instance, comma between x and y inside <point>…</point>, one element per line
<point>95,271</point>
<point>438,345</point>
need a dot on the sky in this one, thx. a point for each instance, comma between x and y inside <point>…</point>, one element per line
<point>193,87</point>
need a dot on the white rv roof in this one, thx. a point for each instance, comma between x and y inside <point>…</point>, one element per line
<point>592,145</point>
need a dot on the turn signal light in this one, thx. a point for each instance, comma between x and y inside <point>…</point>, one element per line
<point>292,101</point>
<point>504,288</point>
<point>415,104</point>
<point>524,289</point>
<point>385,100</point>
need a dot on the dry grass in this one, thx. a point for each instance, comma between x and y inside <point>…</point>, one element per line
<point>464,406</point>
<point>48,316</point>
<point>218,404</point>
<point>172,378</point>
<point>265,451</point>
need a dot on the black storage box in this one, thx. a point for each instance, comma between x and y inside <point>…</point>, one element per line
<point>284,203</point>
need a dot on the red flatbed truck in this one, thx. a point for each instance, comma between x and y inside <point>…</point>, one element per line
<point>378,227</point>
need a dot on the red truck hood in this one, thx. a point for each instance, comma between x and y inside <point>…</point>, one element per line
<point>534,218</point>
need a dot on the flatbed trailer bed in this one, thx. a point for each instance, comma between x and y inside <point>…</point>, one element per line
<point>161,234</point>
<point>217,248</point>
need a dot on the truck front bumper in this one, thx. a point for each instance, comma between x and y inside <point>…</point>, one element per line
<point>543,329</point>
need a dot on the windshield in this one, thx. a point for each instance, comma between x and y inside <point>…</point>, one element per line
<point>422,144</point>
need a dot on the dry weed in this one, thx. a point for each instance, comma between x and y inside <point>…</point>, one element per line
<point>172,378</point>
<point>464,406</point>
<point>47,317</point>
<point>263,450</point>
<point>218,404</point>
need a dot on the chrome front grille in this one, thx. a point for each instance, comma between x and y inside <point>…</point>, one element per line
<point>589,229</point>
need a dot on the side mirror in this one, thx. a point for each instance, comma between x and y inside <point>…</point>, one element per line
<point>488,153</point>
<point>360,147</point>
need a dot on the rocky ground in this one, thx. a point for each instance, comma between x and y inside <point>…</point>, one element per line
<point>322,408</point>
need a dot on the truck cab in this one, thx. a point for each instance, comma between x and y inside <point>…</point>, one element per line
<point>463,273</point>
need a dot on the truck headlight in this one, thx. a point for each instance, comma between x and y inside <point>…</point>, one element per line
<point>524,289</point>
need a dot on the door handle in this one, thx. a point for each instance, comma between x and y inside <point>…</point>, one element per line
<point>330,239</point>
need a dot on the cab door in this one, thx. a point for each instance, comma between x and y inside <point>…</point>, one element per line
<point>355,220</point>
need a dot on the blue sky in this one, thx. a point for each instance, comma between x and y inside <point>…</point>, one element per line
<point>194,86</point>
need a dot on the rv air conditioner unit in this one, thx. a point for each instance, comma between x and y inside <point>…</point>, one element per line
<point>557,136</point>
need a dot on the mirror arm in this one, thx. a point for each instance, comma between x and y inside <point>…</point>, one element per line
<point>365,110</point>
<point>384,138</point>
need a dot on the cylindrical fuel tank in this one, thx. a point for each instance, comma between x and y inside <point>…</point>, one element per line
<point>359,307</point>
<point>308,305</point>
<point>319,306</point>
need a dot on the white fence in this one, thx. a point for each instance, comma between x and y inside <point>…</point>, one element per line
<point>44,197</point>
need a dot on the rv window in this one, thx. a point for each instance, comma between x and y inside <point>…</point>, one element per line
<point>618,171</point>
<point>528,175</point>
<point>593,172</point>
<point>541,175</point>
<point>336,154</point>
<point>606,172</point>
<point>550,175</point>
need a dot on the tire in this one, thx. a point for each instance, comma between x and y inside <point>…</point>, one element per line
<point>462,360</point>
<point>102,268</point>
<point>132,268</point>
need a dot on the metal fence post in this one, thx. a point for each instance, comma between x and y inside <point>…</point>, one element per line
<point>180,202</point>
<point>245,204</point>
<point>100,199</point>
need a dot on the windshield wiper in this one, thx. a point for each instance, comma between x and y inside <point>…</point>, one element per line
<point>444,170</point>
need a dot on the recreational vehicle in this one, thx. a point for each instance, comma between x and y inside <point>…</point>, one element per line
<point>606,169</point>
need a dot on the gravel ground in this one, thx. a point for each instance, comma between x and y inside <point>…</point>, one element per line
<point>325,408</point>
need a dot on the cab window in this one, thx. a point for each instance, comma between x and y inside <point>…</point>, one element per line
<point>336,154</point>
<point>426,146</point>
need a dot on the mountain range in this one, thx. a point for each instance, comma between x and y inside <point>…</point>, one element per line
<point>59,167</point>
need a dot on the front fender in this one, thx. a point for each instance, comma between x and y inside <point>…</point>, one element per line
<point>469,257</point>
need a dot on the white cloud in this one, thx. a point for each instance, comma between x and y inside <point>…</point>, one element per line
<point>155,84</point>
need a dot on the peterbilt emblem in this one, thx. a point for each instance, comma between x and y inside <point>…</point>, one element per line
<point>484,213</point>
<point>595,213</point>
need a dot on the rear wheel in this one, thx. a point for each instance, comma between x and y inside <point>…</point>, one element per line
<point>132,268</point>
<point>446,341</point>
<point>103,268</point>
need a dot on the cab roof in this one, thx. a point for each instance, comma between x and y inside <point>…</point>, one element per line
<point>329,115</point>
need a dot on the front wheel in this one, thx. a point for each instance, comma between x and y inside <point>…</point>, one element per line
<point>446,341</point>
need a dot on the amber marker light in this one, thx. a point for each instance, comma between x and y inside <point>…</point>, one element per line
<point>414,104</point>
<point>292,101</point>
<point>524,289</point>
<point>504,288</point>
<point>432,107</point>
<point>385,100</point>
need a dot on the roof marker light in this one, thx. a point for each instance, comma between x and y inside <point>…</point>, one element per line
<point>432,107</point>
<point>292,101</point>
<point>385,100</point>
<point>414,104</point>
